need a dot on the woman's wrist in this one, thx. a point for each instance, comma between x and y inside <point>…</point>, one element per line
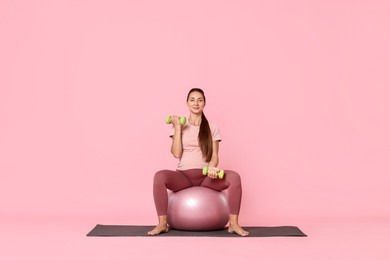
<point>213,163</point>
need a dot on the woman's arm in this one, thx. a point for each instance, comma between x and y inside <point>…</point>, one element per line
<point>177,147</point>
<point>214,158</point>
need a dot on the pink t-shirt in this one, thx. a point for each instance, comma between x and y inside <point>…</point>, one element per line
<point>192,155</point>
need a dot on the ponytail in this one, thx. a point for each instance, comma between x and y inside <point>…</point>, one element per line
<point>205,139</point>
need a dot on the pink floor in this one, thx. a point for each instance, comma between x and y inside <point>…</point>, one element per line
<point>51,238</point>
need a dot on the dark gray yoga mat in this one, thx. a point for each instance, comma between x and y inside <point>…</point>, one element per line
<point>125,231</point>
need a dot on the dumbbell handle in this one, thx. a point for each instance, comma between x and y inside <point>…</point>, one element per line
<point>182,120</point>
<point>221,173</point>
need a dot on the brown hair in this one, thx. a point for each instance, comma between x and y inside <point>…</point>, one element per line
<point>204,138</point>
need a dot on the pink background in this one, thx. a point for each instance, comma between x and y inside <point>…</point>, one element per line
<point>300,90</point>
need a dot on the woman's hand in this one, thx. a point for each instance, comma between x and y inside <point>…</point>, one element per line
<point>213,172</point>
<point>175,121</point>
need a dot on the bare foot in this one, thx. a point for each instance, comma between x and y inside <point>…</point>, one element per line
<point>158,229</point>
<point>238,230</point>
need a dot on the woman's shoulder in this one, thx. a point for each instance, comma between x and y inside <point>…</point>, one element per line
<point>214,127</point>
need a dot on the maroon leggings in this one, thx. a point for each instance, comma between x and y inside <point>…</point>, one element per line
<point>178,180</point>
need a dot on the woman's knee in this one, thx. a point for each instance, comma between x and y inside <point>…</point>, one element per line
<point>161,176</point>
<point>232,176</point>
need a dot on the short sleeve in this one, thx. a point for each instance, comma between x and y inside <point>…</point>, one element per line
<point>215,132</point>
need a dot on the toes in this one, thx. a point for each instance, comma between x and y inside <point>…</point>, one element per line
<point>157,231</point>
<point>153,233</point>
<point>239,231</point>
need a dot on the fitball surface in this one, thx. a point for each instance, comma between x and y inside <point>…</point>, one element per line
<point>198,209</point>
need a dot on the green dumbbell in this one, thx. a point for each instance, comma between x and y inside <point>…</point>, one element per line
<point>182,120</point>
<point>221,173</point>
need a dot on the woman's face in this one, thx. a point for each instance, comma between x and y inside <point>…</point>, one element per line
<point>196,102</point>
